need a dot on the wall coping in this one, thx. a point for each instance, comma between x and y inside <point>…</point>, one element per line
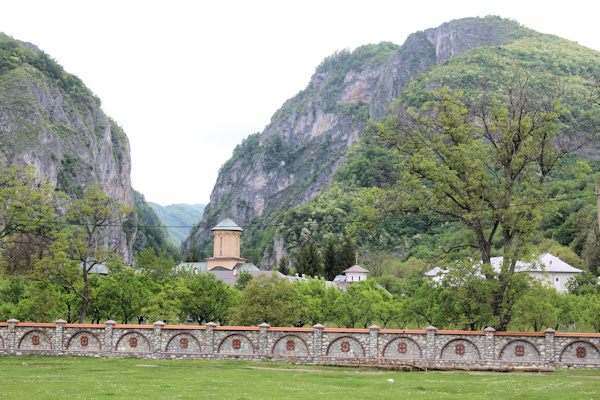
<point>573,334</point>
<point>237,328</point>
<point>414,331</point>
<point>84,326</point>
<point>346,330</point>
<point>541,334</point>
<point>280,329</point>
<point>133,326</point>
<point>37,324</point>
<point>462,333</point>
<point>183,327</point>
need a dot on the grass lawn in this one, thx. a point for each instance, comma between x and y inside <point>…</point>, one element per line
<point>46,377</point>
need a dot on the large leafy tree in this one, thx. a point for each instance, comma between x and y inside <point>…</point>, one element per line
<point>270,299</point>
<point>207,299</point>
<point>125,294</point>
<point>76,253</point>
<point>482,162</point>
<point>319,299</point>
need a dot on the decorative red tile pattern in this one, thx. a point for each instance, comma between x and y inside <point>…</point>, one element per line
<point>459,349</point>
<point>84,341</point>
<point>236,344</point>
<point>402,348</point>
<point>519,350</point>
<point>133,342</point>
<point>345,347</point>
<point>35,340</point>
<point>290,345</point>
<point>183,343</point>
<point>581,352</point>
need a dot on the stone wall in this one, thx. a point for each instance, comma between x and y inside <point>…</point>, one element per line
<point>429,348</point>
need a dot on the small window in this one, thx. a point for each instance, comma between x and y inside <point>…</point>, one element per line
<point>556,279</point>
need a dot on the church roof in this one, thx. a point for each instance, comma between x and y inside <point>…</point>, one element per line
<point>227,225</point>
<point>356,269</point>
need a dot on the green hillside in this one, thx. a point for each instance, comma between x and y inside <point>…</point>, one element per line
<point>179,218</point>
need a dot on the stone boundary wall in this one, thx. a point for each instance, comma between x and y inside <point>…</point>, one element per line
<point>429,348</point>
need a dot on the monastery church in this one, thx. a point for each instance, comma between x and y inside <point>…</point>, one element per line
<point>226,263</point>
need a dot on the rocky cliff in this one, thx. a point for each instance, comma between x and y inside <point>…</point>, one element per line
<point>293,159</point>
<point>50,120</point>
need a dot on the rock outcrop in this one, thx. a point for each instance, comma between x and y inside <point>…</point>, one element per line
<point>50,120</point>
<point>294,158</point>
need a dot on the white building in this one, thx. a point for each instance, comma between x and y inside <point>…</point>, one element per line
<point>547,268</point>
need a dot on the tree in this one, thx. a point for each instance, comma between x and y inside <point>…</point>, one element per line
<point>243,280</point>
<point>284,266</point>
<point>309,260</point>
<point>71,260</point>
<point>159,267</point>
<point>427,302</point>
<point>346,256</point>
<point>21,252</point>
<point>355,305</point>
<point>482,164</point>
<point>539,308</point>
<point>126,294</point>
<point>26,202</point>
<point>590,310</point>
<point>207,299</point>
<point>583,284</point>
<point>330,256</point>
<point>166,304</point>
<point>319,300</point>
<point>270,299</point>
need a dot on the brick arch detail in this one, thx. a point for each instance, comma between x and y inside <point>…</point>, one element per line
<point>402,337</point>
<point>345,337</point>
<point>183,333</point>
<point>35,330</point>
<point>85,331</point>
<point>519,340</point>
<point>285,336</point>
<point>466,340</point>
<point>236,334</point>
<point>573,342</point>
<point>129,333</point>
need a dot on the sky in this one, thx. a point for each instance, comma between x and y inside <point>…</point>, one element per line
<point>189,80</point>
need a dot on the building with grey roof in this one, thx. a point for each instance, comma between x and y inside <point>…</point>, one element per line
<point>548,268</point>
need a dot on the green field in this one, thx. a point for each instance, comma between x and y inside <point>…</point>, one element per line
<point>39,377</point>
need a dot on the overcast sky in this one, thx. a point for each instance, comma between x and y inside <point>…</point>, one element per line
<point>188,80</point>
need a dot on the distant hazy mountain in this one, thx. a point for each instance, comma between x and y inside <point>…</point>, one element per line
<point>179,218</point>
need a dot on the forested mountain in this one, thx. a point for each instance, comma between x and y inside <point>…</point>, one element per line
<point>179,218</point>
<point>306,170</point>
<point>50,120</point>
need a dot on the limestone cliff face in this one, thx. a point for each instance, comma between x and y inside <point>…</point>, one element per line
<point>294,158</point>
<point>66,136</point>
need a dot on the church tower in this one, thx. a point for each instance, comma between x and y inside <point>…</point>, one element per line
<point>226,248</point>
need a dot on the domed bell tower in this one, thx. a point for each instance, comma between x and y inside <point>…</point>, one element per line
<point>226,248</point>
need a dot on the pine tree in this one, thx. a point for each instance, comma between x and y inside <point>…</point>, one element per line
<point>309,260</point>
<point>330,260</point>
<point>284,266</point>
<point>347,255</point>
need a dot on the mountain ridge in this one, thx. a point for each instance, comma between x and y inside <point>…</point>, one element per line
<point>296,155</point>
